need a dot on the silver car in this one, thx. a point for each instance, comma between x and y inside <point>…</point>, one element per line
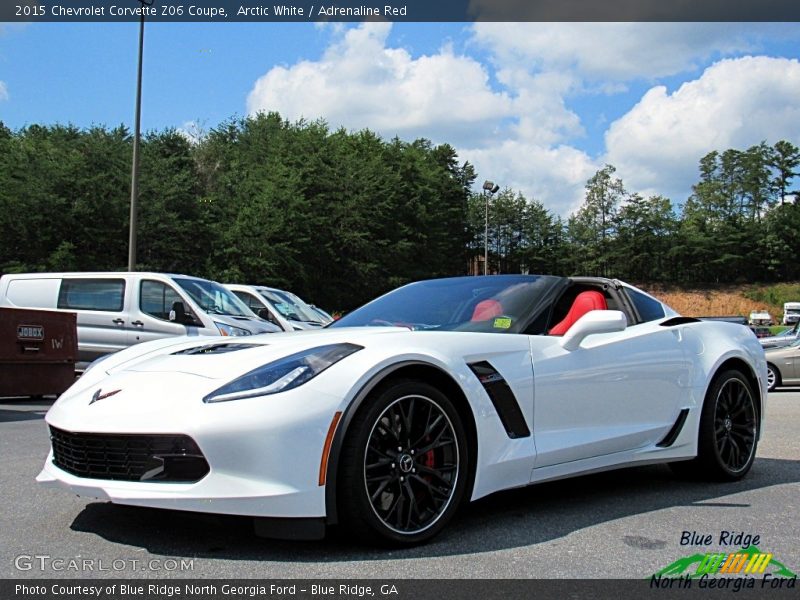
<point>783,365</point>
<point>282,308</point>
<point>784,338</point>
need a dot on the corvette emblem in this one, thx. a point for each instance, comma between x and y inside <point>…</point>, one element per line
<point>98,395</point>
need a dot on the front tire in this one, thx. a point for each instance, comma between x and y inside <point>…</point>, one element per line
<point>773,377</point>
<point>728,434</point>
<point>405,465</point>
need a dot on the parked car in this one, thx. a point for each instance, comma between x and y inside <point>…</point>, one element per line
<point>325,315</point>
<point>760,331</point>
<point>761,317</point>
<point>269,305</point>
<point>117,310</point>
<point>295,306</point>
<point>435,394</point>
<point>784,338</point>
<point>783,365</point>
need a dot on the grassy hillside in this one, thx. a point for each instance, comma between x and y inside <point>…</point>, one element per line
<point>729,300</point>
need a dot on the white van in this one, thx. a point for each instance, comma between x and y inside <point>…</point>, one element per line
<point>276,306</point>
<point>117,310</point>
<point>791,313</point>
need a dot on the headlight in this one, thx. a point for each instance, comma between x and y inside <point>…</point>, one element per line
<point>283,374</point>
<point>230,329</point>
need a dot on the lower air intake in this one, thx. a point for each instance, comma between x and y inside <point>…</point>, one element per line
<point>128,457</point>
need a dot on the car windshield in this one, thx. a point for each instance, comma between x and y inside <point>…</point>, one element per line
<point>213,298</point>
<point>495,303</point>
<point>290,306</point>
<point>324,314</point>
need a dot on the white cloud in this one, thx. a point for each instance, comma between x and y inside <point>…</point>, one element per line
<point>612,51</point>
<point>541,115</point>
<point>3,91</point>
<point>506,104</point>
<point>361,82</point>
<point>736,103</point>
<point>555,175</point>
<point>515,135</point>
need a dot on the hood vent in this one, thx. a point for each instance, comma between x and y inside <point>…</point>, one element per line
<point>219,348</point>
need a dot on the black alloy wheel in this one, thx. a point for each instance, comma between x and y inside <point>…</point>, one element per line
<point>735,427</point>
<point>405,466</point>
<point>728,435</point>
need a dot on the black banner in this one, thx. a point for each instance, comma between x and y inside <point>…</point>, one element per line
<point>400,10</point>
<point>403,589</point>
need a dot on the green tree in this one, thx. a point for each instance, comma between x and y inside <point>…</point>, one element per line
<point>645,228</point>
<point>592,228</point>
<point>785,159</point>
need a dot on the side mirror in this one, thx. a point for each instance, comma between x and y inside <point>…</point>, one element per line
<point>596,321</point>
<point>178,314</point>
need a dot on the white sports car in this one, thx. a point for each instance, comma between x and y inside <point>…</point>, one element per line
<point>438,392</point>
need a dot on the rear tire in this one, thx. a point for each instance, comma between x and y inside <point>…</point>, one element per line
<point>728,435</point>
<point>404,465</point>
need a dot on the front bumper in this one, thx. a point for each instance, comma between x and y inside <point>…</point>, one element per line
<point>263,453</point>
<point>216,493</point>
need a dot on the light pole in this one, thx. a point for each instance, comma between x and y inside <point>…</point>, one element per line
<point>136,136</point>
<point>489,188</point>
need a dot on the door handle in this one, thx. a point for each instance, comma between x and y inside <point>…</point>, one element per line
<point>137,324</point>
<point>118,321</point>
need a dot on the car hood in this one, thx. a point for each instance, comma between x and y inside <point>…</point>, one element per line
<point>138,376</point>
<point>226,358</point>
<point>778,341</point>
<point>206,357</point>
<point>303,325</point>
<point>254,326</point>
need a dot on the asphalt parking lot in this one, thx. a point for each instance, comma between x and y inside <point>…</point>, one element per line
<point>624,524</point>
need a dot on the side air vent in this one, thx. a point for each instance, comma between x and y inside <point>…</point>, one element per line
<point>502,398</point>
<point>216,348</point>
<point>675,430</point>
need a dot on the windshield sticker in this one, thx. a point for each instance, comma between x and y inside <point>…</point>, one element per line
<point>502,323</point>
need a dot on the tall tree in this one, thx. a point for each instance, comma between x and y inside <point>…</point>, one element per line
<point>785,159</point>
<point>593,226</point>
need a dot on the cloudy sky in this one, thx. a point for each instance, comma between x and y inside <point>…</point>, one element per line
<point>536,107</point>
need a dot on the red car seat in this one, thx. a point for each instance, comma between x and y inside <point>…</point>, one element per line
<point>487,309</point>
<point>583,303</point>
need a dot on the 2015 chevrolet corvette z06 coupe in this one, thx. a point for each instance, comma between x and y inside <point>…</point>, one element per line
<point>437,393</point>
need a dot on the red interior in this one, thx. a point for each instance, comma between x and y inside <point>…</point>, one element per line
<point>583,303</point>
<point>487,309</point>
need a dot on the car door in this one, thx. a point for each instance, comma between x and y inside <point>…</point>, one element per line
<point>100,304</point>
<point>616,392</point>
<point>790,369</point>
<point>150,309</point>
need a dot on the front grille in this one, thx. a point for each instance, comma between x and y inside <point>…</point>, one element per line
<point>128,457</point>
